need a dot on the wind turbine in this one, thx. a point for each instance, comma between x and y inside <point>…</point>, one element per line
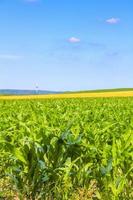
<point>37,88</point>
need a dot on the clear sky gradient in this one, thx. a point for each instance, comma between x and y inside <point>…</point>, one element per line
<point>66,44</point>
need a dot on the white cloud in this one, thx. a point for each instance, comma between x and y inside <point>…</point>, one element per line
<point>10,57</point>
<point>113,20</point>
<point>74,40</point>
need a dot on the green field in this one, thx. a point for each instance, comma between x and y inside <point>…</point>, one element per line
<point>66,149</point>
<point>102,90</point>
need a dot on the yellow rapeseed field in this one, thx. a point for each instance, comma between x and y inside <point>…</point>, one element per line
<point>71,95</point>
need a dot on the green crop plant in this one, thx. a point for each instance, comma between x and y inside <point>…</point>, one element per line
<point>66,149</point>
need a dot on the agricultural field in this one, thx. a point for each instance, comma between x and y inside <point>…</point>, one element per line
<point>87,94</point>
<point>66,148</point>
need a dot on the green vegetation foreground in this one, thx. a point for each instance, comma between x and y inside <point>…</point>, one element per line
<point>66,149</point>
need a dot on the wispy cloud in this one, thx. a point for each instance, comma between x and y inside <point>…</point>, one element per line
<point>113,54</point>
<point>10,57</point>
<point>113,20</point>
<point>74,40</point>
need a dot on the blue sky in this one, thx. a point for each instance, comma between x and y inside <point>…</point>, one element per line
<point>66,44</point>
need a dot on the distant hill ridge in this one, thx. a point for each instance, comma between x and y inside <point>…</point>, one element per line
<point>25,92</point>
<point>33,92</point>
<point>103,90</point>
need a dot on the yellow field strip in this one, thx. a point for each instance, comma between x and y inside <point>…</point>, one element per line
<point>71,95</point>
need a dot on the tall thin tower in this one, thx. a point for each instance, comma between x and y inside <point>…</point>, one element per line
<point>37,89</point>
